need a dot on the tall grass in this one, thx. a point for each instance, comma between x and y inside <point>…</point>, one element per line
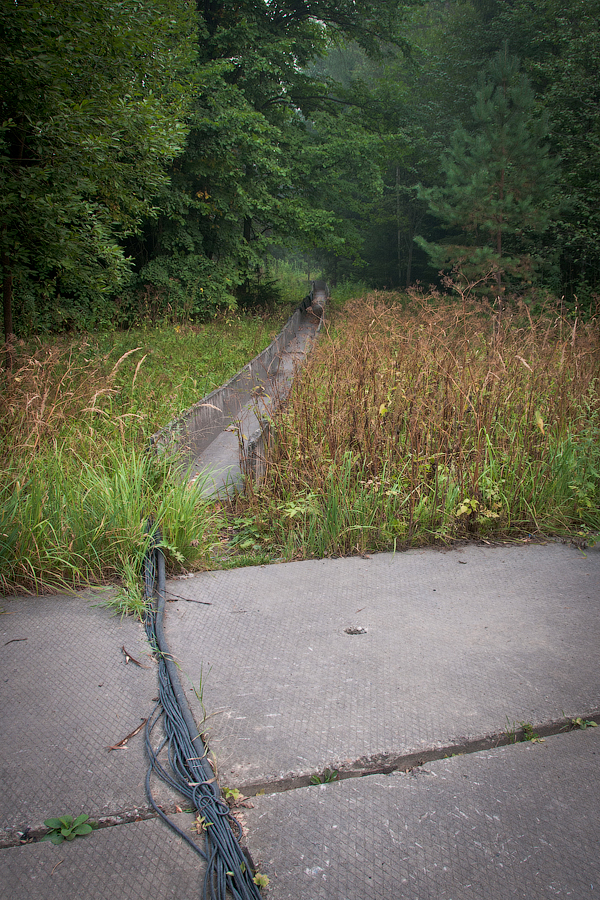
<point>416,419</point>
<point>66,522</point>
<point>124,385</point>
<point>421,419</point>
<point>76,482</point>
<point>345,291</point>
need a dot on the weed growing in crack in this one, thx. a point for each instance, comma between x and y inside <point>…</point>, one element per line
<point>199,692</point>
<point>522,732</point>
<point>581,724</point>
<point>66,828</point>
<point>528,734</point>
<point>232,795</point>
<point>326,777</point>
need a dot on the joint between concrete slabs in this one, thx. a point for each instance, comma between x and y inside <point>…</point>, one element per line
<point>15,837</point>
<point>386,764</point>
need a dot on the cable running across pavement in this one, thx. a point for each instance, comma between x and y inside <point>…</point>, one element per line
<point>228,869</point>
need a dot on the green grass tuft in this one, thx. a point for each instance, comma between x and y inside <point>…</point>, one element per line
<point>66,523</point>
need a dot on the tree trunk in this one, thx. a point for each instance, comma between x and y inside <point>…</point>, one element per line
<point>499,232</point>
<point>411,244</point>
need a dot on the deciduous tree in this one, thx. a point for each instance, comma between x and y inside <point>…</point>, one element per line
<point>93,95</point>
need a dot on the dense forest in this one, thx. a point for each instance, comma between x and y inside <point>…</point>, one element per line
<point>157,157</point>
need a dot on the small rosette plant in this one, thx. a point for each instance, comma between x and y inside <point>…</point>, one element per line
<point>66,828</point>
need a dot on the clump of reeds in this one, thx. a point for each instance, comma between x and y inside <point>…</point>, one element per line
<point>42,393</point>
<point>66,521</point>
<point>432,419</point>
<point>55,394</point>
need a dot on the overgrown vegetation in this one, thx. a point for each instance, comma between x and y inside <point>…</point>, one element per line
<point>422,419</point>
<point>77,482</point>
<point>159,159</point>
<point>418,419</point>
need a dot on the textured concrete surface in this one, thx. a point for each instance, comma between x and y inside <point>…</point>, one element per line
<point>218,466</point>
<point>339,664</point>
<point>66,696</point>
<point>455,645</point>
<point>126,862</point>
<point>517,822</point>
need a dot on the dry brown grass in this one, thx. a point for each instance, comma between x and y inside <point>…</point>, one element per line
<point>52,388</point>
<point>440,402</point>
<point>431,380</point>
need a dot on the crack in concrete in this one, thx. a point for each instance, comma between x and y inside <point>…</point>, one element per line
<point>386,763</point>
<point>381,764</point>
<point>20,836</point>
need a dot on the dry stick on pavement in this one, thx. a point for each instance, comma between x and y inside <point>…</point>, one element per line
<point>129,657</point>
<point>121,744</point>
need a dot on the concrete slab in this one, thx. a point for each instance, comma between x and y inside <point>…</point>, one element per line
<point>336,663</point>
<point>127,862</point>
<point>66,696</point>
<point>456,645</point>
<point>517,822</point>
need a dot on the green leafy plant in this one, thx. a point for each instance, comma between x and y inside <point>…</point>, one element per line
<point>66,828</point>
<point>521,733</point>
<point>200,824</point>
<point>581,724</point>
<point>528,734</point>
<point>247,535</point>
<point>468,506</point>
<point>327,776</point>
<point>260,880</point>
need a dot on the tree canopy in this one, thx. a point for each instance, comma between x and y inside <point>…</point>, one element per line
<point>94,95</point>
<point>499,177</point>
<point>154,153</point>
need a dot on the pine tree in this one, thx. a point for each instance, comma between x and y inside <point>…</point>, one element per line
<point>499,177</point>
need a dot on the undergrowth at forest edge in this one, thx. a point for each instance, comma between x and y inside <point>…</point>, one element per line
<point>125,384</point>
<point>416,420</point>
<point>67,521</point>
<point>427,420</point>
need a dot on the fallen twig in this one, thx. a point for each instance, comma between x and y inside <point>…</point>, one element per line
<point>129,657</point>
<point>121,744</point>
<point>173,597</point>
